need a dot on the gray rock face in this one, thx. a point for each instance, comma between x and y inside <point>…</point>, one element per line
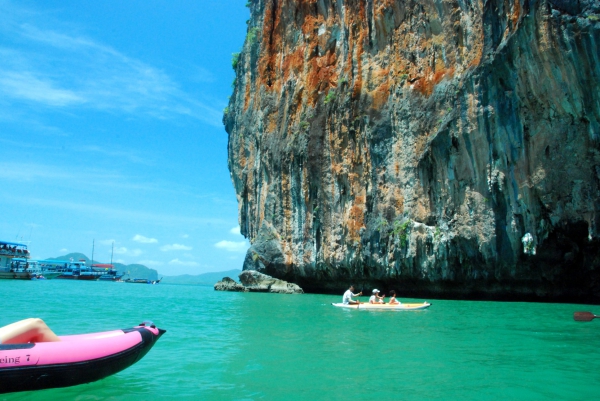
<point>449,148</point>
<point>228,284</point>
<point>258,282</point>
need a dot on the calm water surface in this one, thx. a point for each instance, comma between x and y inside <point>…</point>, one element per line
<point>231,346</point>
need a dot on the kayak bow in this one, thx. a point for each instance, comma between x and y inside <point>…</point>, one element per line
<point>76,359</point>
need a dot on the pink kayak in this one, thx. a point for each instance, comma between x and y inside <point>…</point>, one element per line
<point>76,359</point>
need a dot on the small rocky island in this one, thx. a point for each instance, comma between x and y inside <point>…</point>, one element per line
<point>253,281</point>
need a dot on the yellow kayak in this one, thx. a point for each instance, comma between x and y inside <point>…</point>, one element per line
<point>395,307</point>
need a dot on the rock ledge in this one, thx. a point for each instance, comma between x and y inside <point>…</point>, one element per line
<point>228,284</point>
<point>253,281</point>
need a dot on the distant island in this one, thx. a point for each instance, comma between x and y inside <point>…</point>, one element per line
<point>202,279</point>
<point>140,271</point>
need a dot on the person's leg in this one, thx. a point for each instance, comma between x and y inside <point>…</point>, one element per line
<point>25,331</point>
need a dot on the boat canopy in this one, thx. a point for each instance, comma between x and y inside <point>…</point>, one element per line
<point>103,266</point>
<point>60,262</point>
<point>12,243</point>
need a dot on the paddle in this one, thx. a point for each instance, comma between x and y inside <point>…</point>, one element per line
<point>584,316</point>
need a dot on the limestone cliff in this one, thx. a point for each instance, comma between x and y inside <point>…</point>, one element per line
<point>439,147</point>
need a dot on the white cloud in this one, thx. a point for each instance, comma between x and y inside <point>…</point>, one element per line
<point>144,240</point>
<point>231,246</point>
<point>25,86</point>
<point>177,262</point>
<point>121,250</point>
<point>86,73</point>
<point>64,250</point>
<point>235,230</point>
<point>175,247</point>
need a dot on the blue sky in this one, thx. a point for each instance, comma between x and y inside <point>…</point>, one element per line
<point>110,130</point>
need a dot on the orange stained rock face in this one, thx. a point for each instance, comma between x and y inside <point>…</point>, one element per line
<point>288,253</point>
<point>288,217</point>
<point>293,63</point>
<point>358,51</point>
<point>311,24</point>
<point>322,74</point>
<point>242,157</point>
<point>286,196</point>
<point>281,61</point>
<point>337,168</point>
<point>516,13</point>
<point>316,74</point>
<point>247,93</point>
<point>356,218</point>
<point>426,84</point>
<point>421,143</point>
<point>398,200</point>
<point>380,95</point>
<point>272,45</point>
<point>384,7</point>
<point>356,185</point>
<point>272,125</point>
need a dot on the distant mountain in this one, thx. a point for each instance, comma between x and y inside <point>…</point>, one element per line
<point>202,279</point>
<point>137,271</point>
<point>130,271</point>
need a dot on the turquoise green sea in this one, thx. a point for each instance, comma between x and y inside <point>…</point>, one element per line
<point>233,346</point>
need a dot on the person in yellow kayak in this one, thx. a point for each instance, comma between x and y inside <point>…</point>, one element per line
<point>375,298</point>
<point>393,300</point>
<point>347,299</point>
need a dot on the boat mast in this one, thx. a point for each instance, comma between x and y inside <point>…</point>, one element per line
<point>92,261</point>
<point>112,251</point>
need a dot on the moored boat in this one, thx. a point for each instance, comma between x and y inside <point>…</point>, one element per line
<point>394,307</point>
<point>76,359</point>
<point>141,281</point>
<point>27,269</point>
<point>71,270</point>
<point>8,252</point>
<point>107,272</point>
<point>16,263</point>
